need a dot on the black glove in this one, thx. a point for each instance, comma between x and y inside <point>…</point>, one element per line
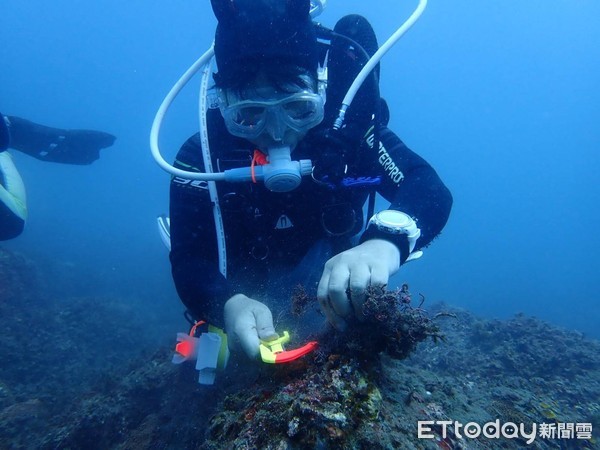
<point>57,145</point>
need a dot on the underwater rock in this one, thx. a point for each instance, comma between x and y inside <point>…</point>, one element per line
<point>21,420</point>
<point>321,406</point>
<point>18,278</point>
<point>364,389</point>
<point>333,399</point>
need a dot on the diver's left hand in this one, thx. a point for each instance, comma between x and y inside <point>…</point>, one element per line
<point>347,275</point>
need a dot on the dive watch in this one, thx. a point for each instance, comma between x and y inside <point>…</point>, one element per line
<point>398,228</point>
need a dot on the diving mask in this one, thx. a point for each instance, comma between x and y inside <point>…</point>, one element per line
<point>248,119</point>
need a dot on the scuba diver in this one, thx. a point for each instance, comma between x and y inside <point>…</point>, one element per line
<point>237,241</point>
<point>46,144</point>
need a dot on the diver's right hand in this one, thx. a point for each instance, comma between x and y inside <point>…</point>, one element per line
<point>247,321</point>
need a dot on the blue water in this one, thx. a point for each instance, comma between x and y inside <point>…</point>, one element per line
<point>501,97</point>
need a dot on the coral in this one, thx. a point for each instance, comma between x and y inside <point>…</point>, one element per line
<point>333,399</point>
<point>323,406</point>
<point>389,324</point>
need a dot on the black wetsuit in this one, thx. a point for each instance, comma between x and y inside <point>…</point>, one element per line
<point>267,230</point>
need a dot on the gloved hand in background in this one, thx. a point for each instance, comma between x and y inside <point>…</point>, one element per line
<point>342,289</point>
<point>55,144</point>
<point>247,321</point>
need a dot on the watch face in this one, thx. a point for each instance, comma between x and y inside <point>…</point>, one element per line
<point>399,226</point>
<point>394,219</point>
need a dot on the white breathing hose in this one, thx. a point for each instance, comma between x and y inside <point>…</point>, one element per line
<point>158,120</point>
<point>212,186</point>
<point>317,7</point>
<point>366,70</point>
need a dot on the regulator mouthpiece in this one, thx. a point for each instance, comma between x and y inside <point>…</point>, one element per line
<point>282,174</point>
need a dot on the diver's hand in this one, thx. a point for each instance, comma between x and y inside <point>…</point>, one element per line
<point>247,321</point>
<point>343,285</point>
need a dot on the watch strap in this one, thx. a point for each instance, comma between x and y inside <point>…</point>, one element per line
<point>399,240</point>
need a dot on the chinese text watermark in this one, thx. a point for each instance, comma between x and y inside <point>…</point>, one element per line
<point>431,429</point>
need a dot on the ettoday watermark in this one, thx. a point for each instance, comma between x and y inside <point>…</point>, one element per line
<point>432,429</point>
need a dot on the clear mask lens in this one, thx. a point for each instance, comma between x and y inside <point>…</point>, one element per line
<point>248,118</point>
<point>301,111</point>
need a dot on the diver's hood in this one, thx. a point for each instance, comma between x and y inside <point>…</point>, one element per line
<point>259,34</point>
